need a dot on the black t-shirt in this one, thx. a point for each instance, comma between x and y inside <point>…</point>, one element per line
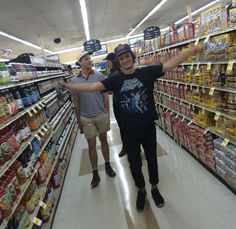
<point>135,94</point>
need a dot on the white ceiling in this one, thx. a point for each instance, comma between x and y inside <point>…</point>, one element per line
<point>108,19</point>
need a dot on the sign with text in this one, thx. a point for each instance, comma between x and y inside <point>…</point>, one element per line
<point>151,32</point>
<point>92,46</point>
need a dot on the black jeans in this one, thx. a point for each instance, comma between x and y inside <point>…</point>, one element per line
<point>116,110</point>
<point>145,136</point>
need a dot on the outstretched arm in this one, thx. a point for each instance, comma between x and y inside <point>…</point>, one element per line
<point>183,56</point>
<point>98,86</point>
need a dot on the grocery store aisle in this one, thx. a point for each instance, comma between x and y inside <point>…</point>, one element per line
<point>194,198</point>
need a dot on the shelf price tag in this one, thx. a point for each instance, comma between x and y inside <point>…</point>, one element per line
<point>206,131</point>
<point>203,89</point>
<point>41,104</point>
<point>30,145</point>
<point>208,66</point>
<point>181,101</point>
<point>191,87</point>
<point>225,142</point>
<point>198,65</point>
<point>41,132</point>
<point>196,42</point>
<point>197,88</point>
<point>207,39</point>
<point>177,85</point>
<point>212,91</point>
<point>183,119</point>
<point>42,204</point>
<point>186,87</point>
<point>171,112</point>
<point>37,221</point>
<point>177,116</point>
<point>38,138</point>
<point>191,68</point>
<point>47,125</point>
<point>29,113</point>
<point>45,129</point>
<point>230,66</point>
<point>34,110</point>
<point>39,107</point>
<point>190,123</point>
<point>217,116</point>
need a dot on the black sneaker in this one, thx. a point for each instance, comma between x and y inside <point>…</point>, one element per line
<point>141,200</point>
<point>109,171</point>
<point>157,197</point>
<point>96,179</point>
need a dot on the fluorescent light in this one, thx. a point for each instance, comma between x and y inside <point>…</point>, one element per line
<point>4,60</point>
<point>68,50</point>
<point>197,11</point>
<point>23,41</point>
<point>85,18</point>
<point>156,8</point>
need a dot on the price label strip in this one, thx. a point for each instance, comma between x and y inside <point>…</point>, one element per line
<point>37,221</point>
<point>29,113</point>
<point>212,91</point>
<point>206,39</point>
<point>177,116</point>
<point>191,68</point>
<point>217,116</point>
<point>177,85</point>
<point>225,142</point>
<point>181,101</point>
<point>196,42</point>
<point>41,132</point>
<point>34,110</point>
<point>208,66</point>
<point>206,131</point>
<point>198,65</point>
<point>190,123</point>
<point>39,107</point>
<point>38,138</point>
<point>230,66</point>
<point>45,129</point>
<point>42,204</point>
<point>183,119</point>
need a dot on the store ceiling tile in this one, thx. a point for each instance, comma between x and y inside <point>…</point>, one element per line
<point>108,19</point>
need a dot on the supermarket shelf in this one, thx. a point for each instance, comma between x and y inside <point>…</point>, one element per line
<point>8,164</point>
<point>24,187</point>
<point>46,143</point>
<point>20,114</point>
<point>210,129</point>
<point>48,225</point>
<point>62,118</point>
<point>204,165</point>
<point>190,41</point>
<point>205,62</point>
<point>66,141</point>
<point>225,89</point>
<point>32,81</point>
<point>198,105</point>
<point>43,189</point>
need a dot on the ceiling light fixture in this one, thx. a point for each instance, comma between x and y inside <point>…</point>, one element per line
<point>23,41</point>
<point>68,50</point>
<point>4,60</point>
<point>154,10</point>
<point>85,18</point>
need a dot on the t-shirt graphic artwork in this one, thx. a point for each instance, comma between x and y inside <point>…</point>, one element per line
<point>133,97</point>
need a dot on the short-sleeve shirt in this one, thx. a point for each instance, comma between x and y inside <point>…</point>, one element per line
<point>135,93</point>
<point>91,104</point>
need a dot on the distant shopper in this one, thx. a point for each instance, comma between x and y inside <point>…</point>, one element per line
<point>135,90</point>
<point>114,70</point>
<point>92,110</point>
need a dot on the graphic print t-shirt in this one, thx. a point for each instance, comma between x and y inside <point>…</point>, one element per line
<point>135,93</point>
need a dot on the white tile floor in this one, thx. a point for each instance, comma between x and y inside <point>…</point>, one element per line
<point>194,198</point>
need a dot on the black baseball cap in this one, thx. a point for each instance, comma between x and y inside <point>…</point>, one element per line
<point>110,56</point>
<point>122,48</point>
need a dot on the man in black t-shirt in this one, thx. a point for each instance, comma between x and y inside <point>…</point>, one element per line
<point>134,88</point>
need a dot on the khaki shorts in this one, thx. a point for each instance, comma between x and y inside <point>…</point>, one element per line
<point>95,126</point>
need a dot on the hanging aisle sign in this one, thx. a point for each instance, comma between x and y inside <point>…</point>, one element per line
<point>92,46</point>
<point>151,32</point>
